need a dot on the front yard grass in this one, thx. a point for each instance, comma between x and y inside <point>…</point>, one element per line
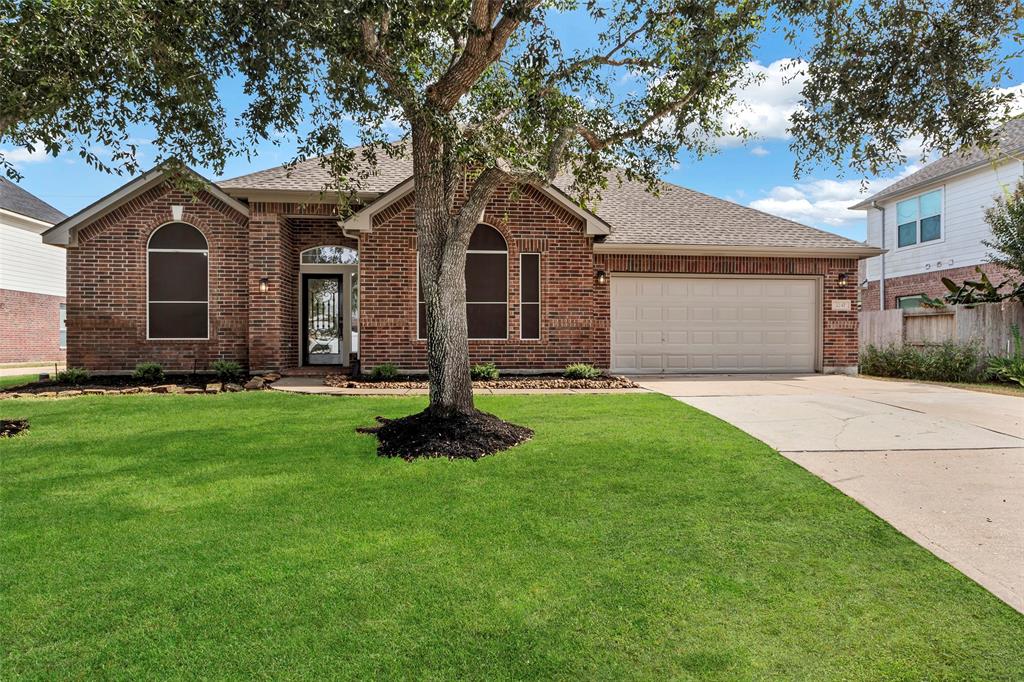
<point>17,380</point>
<point>257,535</point>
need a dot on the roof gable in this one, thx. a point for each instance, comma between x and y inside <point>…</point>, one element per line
<point>65,232</point>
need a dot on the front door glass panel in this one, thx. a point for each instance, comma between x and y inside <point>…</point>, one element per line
<point>323,319</point>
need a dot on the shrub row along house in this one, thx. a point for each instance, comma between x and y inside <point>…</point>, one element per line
<point>262,269</point>
<point>932,222</point>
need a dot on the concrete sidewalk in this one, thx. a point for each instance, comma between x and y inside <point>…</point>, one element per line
<point>945,466</point>
<point>35,369</point>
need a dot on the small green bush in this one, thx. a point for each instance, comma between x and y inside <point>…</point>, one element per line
<point>1011,368</point>
<point>581,370</point>
<point>226,371</point>
<point>947,361</point>
<point>384,372</point>
<point>487,371</point>
<point>149,372</point>
<point>73,376</point>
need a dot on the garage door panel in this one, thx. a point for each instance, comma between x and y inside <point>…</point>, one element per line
<point>683,324</point>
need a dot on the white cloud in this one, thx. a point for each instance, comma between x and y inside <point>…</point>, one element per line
<point>759,151</point>
<point>1017,105</point>
<point>21,155</point>
<point>824,202</point>
<point>764,105</point>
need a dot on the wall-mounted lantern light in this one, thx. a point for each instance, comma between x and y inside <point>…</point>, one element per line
<point>264,285</point>
<point>843,279</point>
<point>602,277</point>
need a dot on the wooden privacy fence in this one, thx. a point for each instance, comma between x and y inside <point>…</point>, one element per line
<point>987,324</point>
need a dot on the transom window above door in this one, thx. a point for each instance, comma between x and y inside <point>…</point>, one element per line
<point>919,219</point>
<point>330,255</point>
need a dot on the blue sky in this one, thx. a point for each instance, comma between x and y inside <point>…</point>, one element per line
<point>757,174</point>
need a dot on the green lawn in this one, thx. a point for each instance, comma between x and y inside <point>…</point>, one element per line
<point>7,382</point>
<point>256,535</point>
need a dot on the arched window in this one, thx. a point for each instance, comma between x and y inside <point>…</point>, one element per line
<point>178,283</point>
<point>330,255</point>
<point>486,286</point>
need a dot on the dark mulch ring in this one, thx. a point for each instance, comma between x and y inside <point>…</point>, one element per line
<point>12,427</point>
<point>464,436</point>
<point>553,381</point>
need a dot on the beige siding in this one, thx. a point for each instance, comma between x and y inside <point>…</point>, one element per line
<point>965,200</point>
<point>26,264</point>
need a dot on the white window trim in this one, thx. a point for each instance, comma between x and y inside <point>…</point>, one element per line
<point>62,326</point>
<point>917,232</point>
<point>540,297</point>
<point>419,332</point>
<point>207,301</point>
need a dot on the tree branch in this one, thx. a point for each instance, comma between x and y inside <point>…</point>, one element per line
<point>485,41</point>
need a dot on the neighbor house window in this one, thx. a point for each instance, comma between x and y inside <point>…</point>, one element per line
<point>63,326</point>
<point>919,219</point>
<point>486,287</point>
<point>178,283</point>
<point>908,302</point>
<point>529,295</point>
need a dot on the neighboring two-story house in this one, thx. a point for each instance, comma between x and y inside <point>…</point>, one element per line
<point>32,307</point>
<point>932,223</point>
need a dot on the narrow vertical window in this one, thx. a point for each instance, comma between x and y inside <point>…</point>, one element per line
<point>178,283</point>
<point>529,295</point>
<point>63,325</point>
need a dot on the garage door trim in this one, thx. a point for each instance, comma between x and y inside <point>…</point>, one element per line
<point>819,282</point>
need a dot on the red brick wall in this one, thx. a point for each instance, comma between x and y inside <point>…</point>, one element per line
<point>107,286</point>
<point>928,283</point>
<point>30,327</point>
<point>839,333</point>
<point>531,223</point>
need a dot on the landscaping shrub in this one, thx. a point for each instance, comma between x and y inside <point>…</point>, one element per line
<point>947,361</point>
<point>1011,368</point>
<point>581,370</point>
<point>487,371</point>
<point>384,372</point>
<point>149,372</point>
<point>73,376</point>
<point>227,371</point>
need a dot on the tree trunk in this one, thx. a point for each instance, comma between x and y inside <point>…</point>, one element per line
<point>442,272</point>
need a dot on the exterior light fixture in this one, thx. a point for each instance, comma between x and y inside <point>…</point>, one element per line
<point>602,277</point>
<point>843,279</point>
<point>264,285</point>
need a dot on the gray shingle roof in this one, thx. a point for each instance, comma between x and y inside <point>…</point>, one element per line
<point>1009,139</point>
<point>676,217</point>
<point>17,200</point>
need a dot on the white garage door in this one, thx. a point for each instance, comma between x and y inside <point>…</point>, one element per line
<point>704,324</point>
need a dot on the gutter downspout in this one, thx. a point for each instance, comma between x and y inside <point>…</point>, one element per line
<point>881,280</point>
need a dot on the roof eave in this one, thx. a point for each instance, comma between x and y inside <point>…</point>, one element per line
<point>857,252</point>
<point>917,187</point>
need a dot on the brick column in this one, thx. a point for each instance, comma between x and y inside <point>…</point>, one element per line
<point>271,256</point>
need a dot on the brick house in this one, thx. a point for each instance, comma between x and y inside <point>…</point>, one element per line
<point>264,270</point>
<point>31,280</point>
<point>931,224</point>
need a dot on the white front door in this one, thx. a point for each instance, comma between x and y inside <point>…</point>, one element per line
<point>713,324</point>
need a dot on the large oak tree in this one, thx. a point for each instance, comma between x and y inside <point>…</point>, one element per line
<point>488,91</point>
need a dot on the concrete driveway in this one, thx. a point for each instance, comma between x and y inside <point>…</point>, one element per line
<point>945,466</point>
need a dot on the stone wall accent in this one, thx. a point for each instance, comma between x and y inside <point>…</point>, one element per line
<point>106,286</point>
<point>839,328</point>
<point>927,283</point>
<point>30,327</point>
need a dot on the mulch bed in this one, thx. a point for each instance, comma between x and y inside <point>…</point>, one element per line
<point>464,436</point>
<point>551,381</point>
<point>12,427</point>
<point>111,382</point>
